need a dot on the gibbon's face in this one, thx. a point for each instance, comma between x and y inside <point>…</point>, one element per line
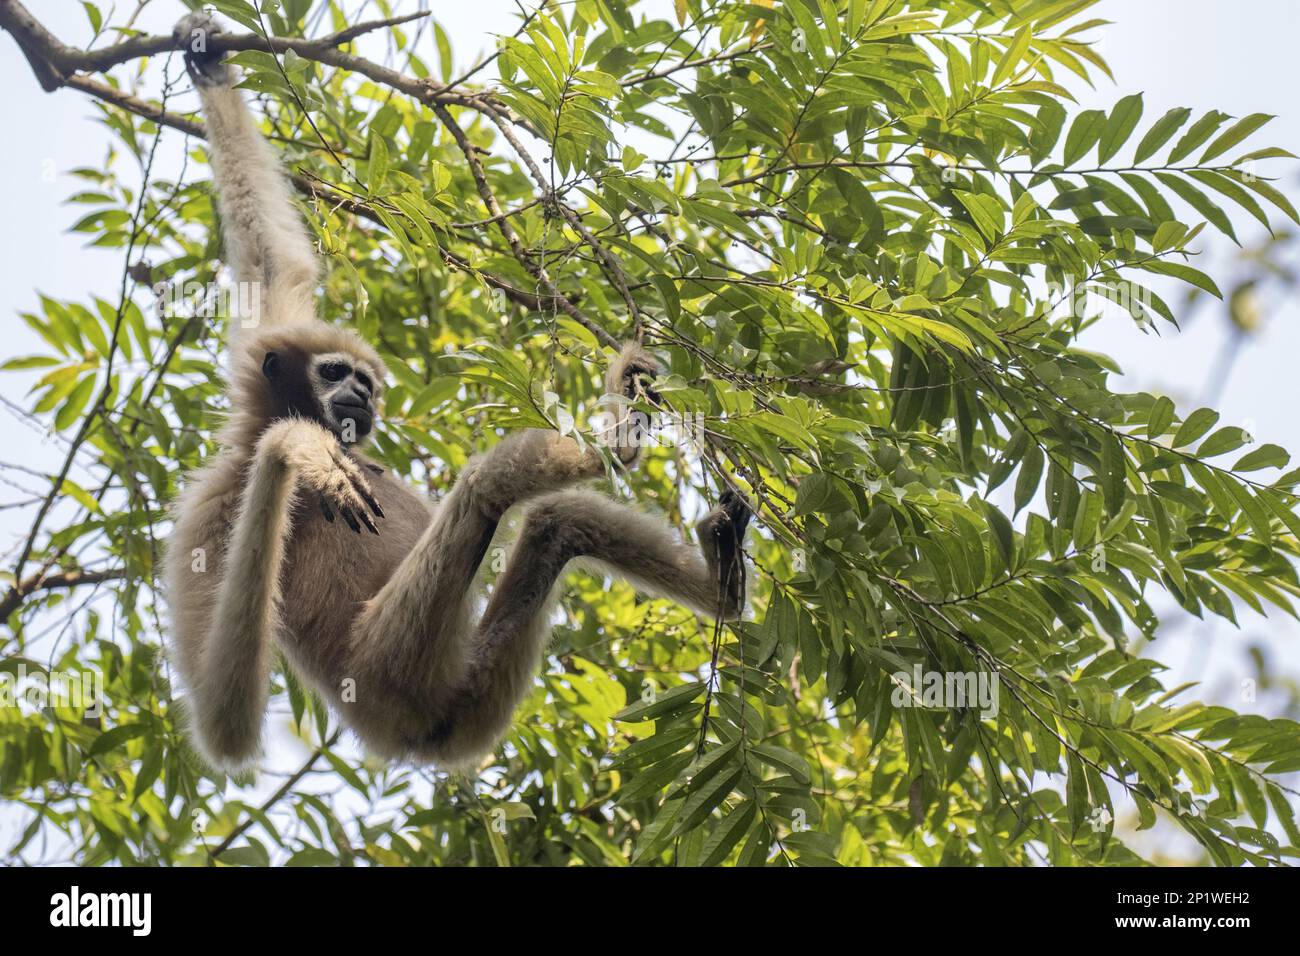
<point>336,389</point>
<point>345,390</point>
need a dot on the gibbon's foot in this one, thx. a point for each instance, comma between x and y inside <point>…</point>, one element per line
<point>724,529</point>
<point>639,368</point>
<point>738,512</point>
<point>205,67</point>
<point>347,490</point>
<point>629,376</point>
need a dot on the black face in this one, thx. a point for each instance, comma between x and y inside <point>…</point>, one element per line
<point>347,397</point>
<point>332,392</point>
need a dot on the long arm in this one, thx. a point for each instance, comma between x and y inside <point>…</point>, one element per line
<point>229,697</point>
<point>230,691</point>
<point>266,242</point>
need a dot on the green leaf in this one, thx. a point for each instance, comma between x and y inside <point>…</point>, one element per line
<point>1160,133</point>
<point>1194,426</point>
<point>1226,439</point>
<point>377,165</point>
<point>1083,135</point>
<point>1011,58</point>
<point>93,15</point>
<point>1265,456</point>
<point>1188,274</point>
<point>1200,131</point>
<point>312,856</point>
<point>735,824</point>
<point>1199,201</point>
<point>1119,126</point>
<point>1031,471</point>
<point>1235,134</point>
<point>254,854</point>
<point>784,760</point>
<point>671,700</point>
<point>1162,416</point>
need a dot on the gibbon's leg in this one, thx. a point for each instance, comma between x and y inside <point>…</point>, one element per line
<point>535,461</point>
<point>508,642</point>
<point>412,634</point>
<point>229,696</point>
<point>267,245</point>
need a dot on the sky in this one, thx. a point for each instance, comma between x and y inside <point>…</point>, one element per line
<point>1235,57</point>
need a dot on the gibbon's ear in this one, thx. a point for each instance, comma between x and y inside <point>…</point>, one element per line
<point>271,366</point>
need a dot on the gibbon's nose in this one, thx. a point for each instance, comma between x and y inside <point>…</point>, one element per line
<point>354,393</point>
<point>360,389</point>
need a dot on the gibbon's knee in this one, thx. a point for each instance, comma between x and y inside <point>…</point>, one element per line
<point>560,526</point>
<point>482,489</point>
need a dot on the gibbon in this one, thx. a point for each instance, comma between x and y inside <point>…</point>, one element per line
<point>291,536</point>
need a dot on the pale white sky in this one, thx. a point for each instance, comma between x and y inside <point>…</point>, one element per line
<point>1233,56</point>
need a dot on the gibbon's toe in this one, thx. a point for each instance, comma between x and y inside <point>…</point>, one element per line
<point>737,510</point>
<point>638,367</point>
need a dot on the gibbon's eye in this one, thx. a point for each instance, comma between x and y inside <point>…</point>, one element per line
<point>333,371</point>
<point>364,379</point>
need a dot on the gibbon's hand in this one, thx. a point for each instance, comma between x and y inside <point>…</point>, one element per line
<point>630,375</point>
<point>345,487</point>
<point>319,462</point>
<point>204,66</point>
<point>737,512</point>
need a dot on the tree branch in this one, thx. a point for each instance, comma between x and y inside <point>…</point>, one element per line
<point>54,62</point>
<point>310,188</point>
<point>507,231</point>
<point>50,582</point>
<point>611,264</point>
<point>56,65</point>
<point>276,797</point>
<point>723,57</point>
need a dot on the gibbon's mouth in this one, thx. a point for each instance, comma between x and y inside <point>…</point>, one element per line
<point>358,414</point>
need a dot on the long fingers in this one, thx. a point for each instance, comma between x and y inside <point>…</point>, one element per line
<point>348,501</point>
<point>350,518</point>
<point>357,497</point>
<point>364,493</point>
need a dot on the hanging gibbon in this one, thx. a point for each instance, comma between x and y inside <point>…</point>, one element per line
<point>310,547</point>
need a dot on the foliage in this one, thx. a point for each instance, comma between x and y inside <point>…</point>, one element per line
<point>855,229</point>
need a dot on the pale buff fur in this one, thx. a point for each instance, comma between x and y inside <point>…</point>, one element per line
<point>380,626</point>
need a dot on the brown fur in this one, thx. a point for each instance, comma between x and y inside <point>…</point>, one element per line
<point>380,625</point>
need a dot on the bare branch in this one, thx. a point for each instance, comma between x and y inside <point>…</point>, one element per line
<point>507,231</point>
<point>612,267</point>
<point>54,62</point>
<point>51,582</point>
